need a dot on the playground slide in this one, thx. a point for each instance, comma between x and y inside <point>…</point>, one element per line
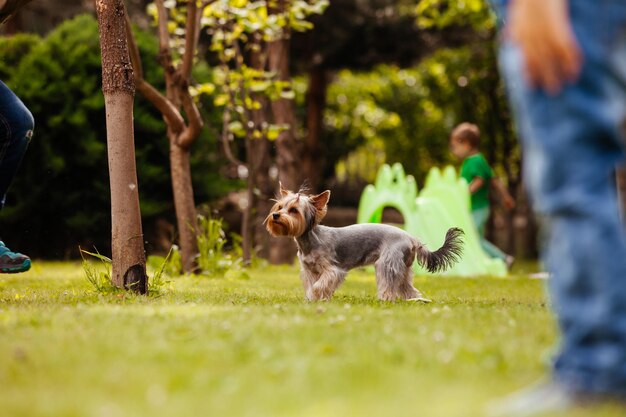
<point>443,203</point>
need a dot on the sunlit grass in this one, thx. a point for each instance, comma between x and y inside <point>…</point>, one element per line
<point>230,347</point>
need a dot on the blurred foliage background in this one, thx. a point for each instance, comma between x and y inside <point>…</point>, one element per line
<point>396,77</point>
<point>60,198</point>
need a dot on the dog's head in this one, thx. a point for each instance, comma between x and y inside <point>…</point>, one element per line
<point>296,213</point>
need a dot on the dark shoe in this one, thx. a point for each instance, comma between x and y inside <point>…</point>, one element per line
<point>12,262</point>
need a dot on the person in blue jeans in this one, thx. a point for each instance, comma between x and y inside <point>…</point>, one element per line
<point>16,129</point>
<point>564,64</point>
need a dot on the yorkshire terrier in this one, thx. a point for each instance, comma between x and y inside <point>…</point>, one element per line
<point>326,254</point>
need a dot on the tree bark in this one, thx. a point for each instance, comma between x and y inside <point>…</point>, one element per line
<point>182,187</point>
<point>259,162</point>
<point>287,148</point>
<point>264,191</point>
<point>177,93</point>
<point>186,216</point>
<point>247,215</point>
<point>181,135</point>
<point>10,10</point>
<point>312,157</point>
<point>118,86</point>
<point>288,151</point>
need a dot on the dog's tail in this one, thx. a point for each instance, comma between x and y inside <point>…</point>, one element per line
<point>444,257</point>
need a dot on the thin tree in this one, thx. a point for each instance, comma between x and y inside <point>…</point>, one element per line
<point>245,85</point>
<point>288,149</point>
<point>118,86</point>
<point>181,134</point>
<point>242,35</point>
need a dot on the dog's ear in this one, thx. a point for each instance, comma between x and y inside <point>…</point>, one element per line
<point>283,192</point>
<point>321,200</point>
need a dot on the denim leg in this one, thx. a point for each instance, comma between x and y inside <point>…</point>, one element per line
<point>572,143</point>
<point>16,129</point>
<point>480,217</point>
<point>492,250</point>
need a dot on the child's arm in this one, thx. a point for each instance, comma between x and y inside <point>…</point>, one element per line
<point>507,201</point>
<point>476,184</point>
<point>542,30</point>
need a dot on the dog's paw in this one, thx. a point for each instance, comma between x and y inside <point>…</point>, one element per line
<point>310,296</point>
<point>420,300</point>
<point>319,293</point>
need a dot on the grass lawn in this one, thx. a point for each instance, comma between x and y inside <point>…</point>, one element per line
<point>232,347</point>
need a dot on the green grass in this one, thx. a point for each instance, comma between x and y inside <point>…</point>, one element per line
<point>228,347</point>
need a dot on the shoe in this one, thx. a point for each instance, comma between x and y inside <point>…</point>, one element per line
<point>544,398</point>
<point>12,262</point>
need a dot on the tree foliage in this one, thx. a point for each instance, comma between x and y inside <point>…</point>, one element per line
<point>391,99</point>
<point>402,111</point>
<point>443,14</point>
<point>240,31</point>
<point>408,113</point>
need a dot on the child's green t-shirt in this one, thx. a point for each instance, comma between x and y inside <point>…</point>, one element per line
<point>476,166</point>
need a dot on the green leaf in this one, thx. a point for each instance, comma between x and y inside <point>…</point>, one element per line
<point>221,100</point>
<point>288,94</point>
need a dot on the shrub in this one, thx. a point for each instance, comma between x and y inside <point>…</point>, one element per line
<point>213,259</point>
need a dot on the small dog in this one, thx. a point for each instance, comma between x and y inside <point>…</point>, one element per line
<point>326,254</point>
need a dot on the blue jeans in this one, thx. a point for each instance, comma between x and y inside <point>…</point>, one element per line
<point>572,143</point>
<point>480,217</point>
<point>16,129</point>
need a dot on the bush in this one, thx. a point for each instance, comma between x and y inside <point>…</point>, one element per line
<point>408,114</point>
<point>213,259</point>
<point>13,49</point>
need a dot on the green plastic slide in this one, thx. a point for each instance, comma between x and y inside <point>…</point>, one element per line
<point>443,203</point>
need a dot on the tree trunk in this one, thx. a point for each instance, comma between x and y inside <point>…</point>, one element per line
<point>180,171</point>
<point>265,189</point>
<point>287,150</point>
<point>186,217</point>
<point>181,135</point>
<point>246,220</point>
<point>11,17</point>
<point>312,157</point>
<point>259,162</point>
<point>118,86</point>
<point>13,25</point>
<point>527,227</point>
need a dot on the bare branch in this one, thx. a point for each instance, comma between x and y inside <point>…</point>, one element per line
<point>195,123</point>
<point>199,23</point>
<point>225,139</point>
<point>165,53</point>
<point>191,28</point>
<point>133,50</point>
<point>249,124</point>
<point>170,113</point>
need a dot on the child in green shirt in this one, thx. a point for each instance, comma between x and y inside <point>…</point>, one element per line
<point>464,144</point>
